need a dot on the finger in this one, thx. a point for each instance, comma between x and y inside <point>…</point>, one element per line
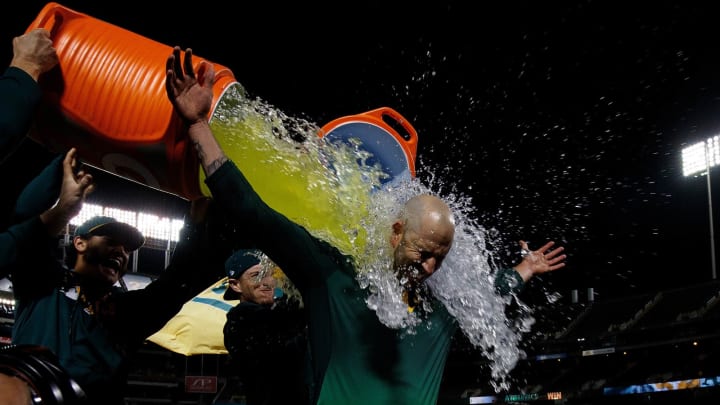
<point>45,34</point>
<point>88,190</point>
<point>554,252</point>
<point>169,77</point>
<point>170,68</point>
<point>176,66</point>
<point>556,260</point>
<point>557,266</point>
<point>206,71</point>
<point>188,63</point>
<point>86,184</point>
<point>85,179</point>
<point>69,162</point>
<point>170,65</point>
<point>546,246</point>
<point>42,31</point>
<point>524,249</point>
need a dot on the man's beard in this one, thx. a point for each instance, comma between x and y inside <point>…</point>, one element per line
<point>96,258</point>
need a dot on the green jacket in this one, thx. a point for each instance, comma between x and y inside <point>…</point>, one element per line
<point>356,358</point>
<point>19,97</point>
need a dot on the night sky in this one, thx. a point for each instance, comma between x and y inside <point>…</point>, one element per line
<point>561,120</point>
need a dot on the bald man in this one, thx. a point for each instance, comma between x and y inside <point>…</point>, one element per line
<point>421,238</point>
<point>356,358</point>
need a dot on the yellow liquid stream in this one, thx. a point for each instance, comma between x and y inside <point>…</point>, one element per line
<point>295,178</point>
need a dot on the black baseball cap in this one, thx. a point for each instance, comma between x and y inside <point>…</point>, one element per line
<point>237,264</point>
<point>124,233</point>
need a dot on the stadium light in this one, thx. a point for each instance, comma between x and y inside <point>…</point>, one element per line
<point>697,159</point>
<point>150,225</point>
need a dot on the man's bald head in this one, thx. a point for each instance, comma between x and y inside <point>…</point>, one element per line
<point>422,237</point>
<point>429,212</point>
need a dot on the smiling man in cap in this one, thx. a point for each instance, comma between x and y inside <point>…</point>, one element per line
<point>103,246</point>
<point>249,279</point>
<point>79,311</point>
<point>265,336</point>
<point>77,320</point>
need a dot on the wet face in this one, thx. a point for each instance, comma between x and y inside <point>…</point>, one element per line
<point>101,258</point>
<point>256,286</point>
<point>420,252</point>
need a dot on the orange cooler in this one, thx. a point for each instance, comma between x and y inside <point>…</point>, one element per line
<point>108,100</point>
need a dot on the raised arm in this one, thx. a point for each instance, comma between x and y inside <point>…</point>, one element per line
<point>191,94</point>
<point>75,188</point>
<point>39,217</point>
<point>249,220</point>
<point>20,94</point>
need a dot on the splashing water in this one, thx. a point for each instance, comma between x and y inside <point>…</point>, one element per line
<point>464,283</point>
<point>334,194</point>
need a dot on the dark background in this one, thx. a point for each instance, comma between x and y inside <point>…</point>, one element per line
<point>561,120</point>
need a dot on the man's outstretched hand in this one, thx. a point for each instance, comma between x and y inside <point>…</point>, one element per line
<point>542,260</point>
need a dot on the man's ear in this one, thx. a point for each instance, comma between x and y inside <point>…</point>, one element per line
<point>80,244</point>
<point>397,231</point>
<point>234,285</point>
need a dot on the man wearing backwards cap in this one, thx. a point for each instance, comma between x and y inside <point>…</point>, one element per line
<point>81,314</point>
<point>265,337</point>
<point>257,286</point>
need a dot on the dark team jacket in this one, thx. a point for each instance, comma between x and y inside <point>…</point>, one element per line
<point>19,97</point>
<point>267,345</point>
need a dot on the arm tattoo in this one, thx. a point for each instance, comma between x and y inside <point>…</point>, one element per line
<point>211,167</point>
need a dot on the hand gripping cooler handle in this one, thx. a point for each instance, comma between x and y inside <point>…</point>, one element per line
<point>51,18</point>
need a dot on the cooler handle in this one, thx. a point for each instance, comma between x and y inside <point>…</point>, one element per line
<point>52,17</point>
<point>399,125</point>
